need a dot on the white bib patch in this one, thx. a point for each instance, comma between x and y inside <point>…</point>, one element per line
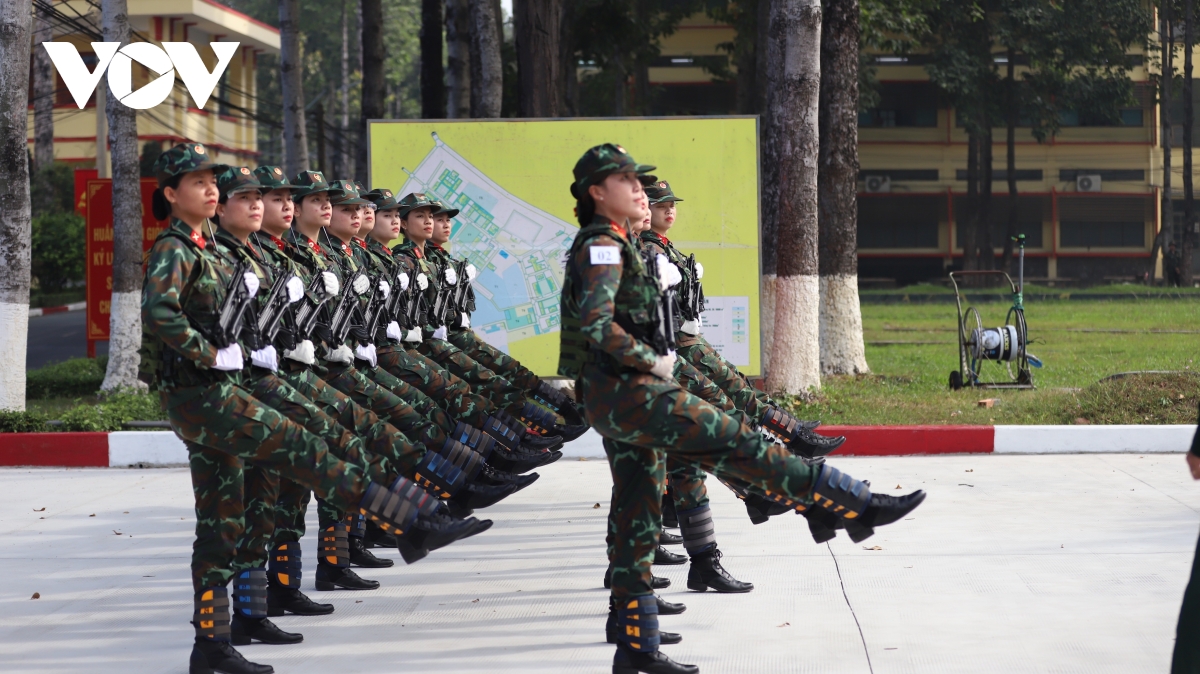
<point>605,254</point>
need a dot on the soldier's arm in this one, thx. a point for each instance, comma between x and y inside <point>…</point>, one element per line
<point>597,307</point>
<point>162,313</point>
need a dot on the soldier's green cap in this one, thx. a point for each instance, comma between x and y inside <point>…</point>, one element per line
<point>647,179</point>
<point>660,192</point>
<point>311,182</point>
<point>237,179</point>
<point>440,208</point>
<point>412,201</point>
<point>344,192</point>
<point>383,199</point>
<point>184,158</point>
<point>600,162</point>
<point>273,178</point>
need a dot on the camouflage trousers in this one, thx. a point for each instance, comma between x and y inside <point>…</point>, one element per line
<point>389,406</point>
<point>224,417</point>
<point>640,415</point>
<point>498,390</point>
<point>697,351</point>
<point>495,360</point>
<point>423,404</point>
<point>451,393</point>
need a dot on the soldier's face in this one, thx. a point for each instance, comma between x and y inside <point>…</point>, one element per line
<point>387,225</point>
<point>368,221</point>
<point>441,229</point>
<point>619,197</point>
<point>662,216</point>
<point>315,210</point>
<point>196,197</point>
<point>346,221</point>
<point>418,224</point>
<point>242,214</point>
<point>278,211</point>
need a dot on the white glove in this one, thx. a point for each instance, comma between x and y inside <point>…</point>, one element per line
<point>367,353</point>
<point>251,281</point>
<point>361,284</point>
<point>668,273</point>
<point>472,272</point>
<point>699,270</point>
<point>466,321</point>
<point>304,352</point>
<point>422,281</point>
<point>664,367</point>
<point>451,276</point>
<point>440,333</point>
<point>393,331</point>
<point>332,287</point>
<point>229,359</point>
<point>342,354</point>
<point>385,288</point>
<point>402,279</point>
<point>265,357</point>
<point>295,289</point>
<point>413,335</point>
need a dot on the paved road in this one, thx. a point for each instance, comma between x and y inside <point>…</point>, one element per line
<point>56,338</point>
<point>1014,564</point>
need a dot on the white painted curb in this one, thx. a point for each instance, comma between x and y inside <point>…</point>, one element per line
<point>154,448</point>
<point>41,311</point>
<point>1093,439</point>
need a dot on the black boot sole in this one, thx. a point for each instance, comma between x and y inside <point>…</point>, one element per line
<point>327,586</point>
<point>675,560</point>
<point>701,586</point>
<point>246,641</point>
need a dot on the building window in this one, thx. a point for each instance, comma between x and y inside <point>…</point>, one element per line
<point>1104,222</point>
<point>223,94</point>
<point>900,221</point>
<point>1032,211</point>
<point>902,104</point>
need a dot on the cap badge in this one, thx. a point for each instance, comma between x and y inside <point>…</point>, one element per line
<point>245,171</point>
<point>278,170</point>
<point>199,149</point>
<point>662,185</point>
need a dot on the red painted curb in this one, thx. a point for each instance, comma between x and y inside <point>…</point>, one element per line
<point>909,440</point>
<point>54,449</point>
<point>54,310</point>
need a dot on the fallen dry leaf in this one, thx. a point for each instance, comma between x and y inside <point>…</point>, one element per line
<point>899,487</point>
<point>474,601</point>
<point>92,515</point>
<point>357,601</point>
<point>873,547</point>
<point>125,513</point>
<point>39,510</point>
<point>969,470</point>
<point>36,595</point>
<point>595,506</point>
<point>784,625</point>
<point>117,533</point>
<point>583,458</point>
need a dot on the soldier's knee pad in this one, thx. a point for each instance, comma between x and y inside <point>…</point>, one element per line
<point>475,438</point>
<point>250,593</point>
<point>396,509</point>
<point>503,432</point>
<point>437,474</point>
<point>637,623</point>
<point>696,526</point>
<point>538,419</point>
<point>463,457</point>
<point>285,565</point>
<point>211,615</point>
<point>335,546</point>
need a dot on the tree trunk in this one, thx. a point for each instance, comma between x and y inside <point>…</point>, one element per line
<point>341,154</point>
<point>487,97</point>
<point>746,57</point>
<point>842,350</point>
<point>125,317</point>
<point>568,79</point>
<point>987,254</point>
<point>14,202</point>
<point>373,86</point>
<point>458,59</point>
<point>322,138</point>
<point>1168,206</point>
<point>762,64</point>
<point>771,58</point>
<point>1189,118</point>
<point>1011,113</point>
<point>970,255</point>
<point>433,85</point>
<point>795,360</point>
<point>291,72</point>
<point>43,93</point>
<point>536,25</point>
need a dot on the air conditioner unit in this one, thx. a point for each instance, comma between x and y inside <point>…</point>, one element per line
<point>1087,183</point>
<point>878,184</point>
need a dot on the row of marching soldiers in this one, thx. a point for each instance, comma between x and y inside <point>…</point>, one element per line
<point>297,354</point>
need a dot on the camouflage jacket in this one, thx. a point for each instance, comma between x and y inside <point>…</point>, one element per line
<point>442,258</point>
<point>182,291</point>
<point>608,300</point>
<point>415,261</point>
<point>661,244</point>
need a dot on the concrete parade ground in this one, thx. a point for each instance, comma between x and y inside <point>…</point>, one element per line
<point>1065,563</point>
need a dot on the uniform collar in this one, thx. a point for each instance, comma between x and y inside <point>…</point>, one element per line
<point>373,244</point>
<point>617,229</point>
<point>193,235</point>
<point>361,244</point>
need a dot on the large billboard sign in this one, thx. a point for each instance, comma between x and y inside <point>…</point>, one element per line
<point>510,179</point>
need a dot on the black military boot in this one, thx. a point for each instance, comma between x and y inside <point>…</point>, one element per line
<point>761,509</point>
<point>245,630</point>
<point>470,450</point>
<point>668,538</point>
<point>668,608</point>
<point>706,573</point>
<point>664,557</point>
<point>670,519</point>
<point>212,651</point>
<point>562,404</point>
<point>283,584</point>
<point>656,582</point>
<point>416,517</point>
<point>359,554</point>
<point>612,631</point>
<point>509,452</point>
<point>797,436</point>
<point>377,538</point>
<point>638,639</point>
<point>840,501</point>
<point>333,564</point>
<point>250,612</point>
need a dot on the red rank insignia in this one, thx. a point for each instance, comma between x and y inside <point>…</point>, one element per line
<point>198,239</point>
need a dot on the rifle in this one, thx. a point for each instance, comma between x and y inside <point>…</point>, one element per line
<point>373,311</point>
<point>662,338</point>
<point>463,291</point>
<point>304,317</point>
<point>692,300</point>
<point>274,310</point>
<point>442,303</point>
<point>414,303</point>
<point>232,313</point>
<point>339,320</point>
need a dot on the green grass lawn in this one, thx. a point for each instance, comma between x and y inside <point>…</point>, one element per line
<point>908,384</point>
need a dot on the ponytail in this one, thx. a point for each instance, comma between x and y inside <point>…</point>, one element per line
<point>159,206</point>
<point>585,209</point>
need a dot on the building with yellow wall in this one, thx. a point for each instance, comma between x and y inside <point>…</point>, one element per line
<point>225,126</point>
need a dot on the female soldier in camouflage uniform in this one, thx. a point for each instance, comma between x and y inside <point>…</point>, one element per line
<point>188,356</point>
<point>609,303</point>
